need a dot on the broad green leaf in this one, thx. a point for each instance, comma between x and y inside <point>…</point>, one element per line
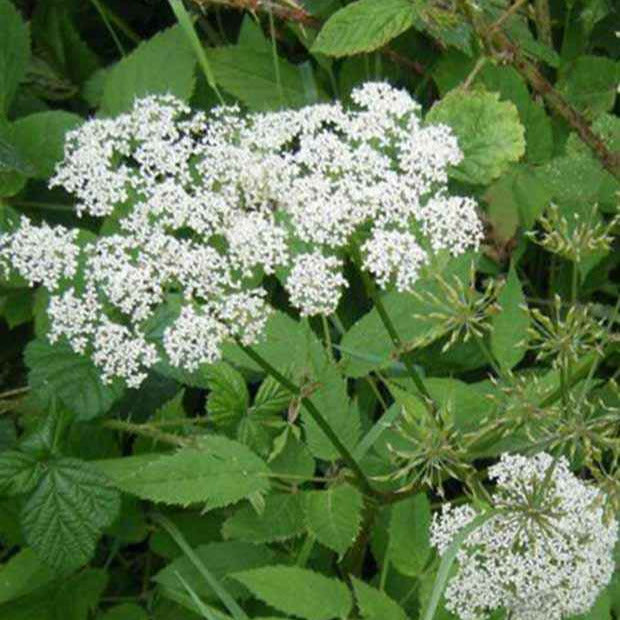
<point>292,459</point>
<point>364,26</point>
<point>298,591</point>
<point>19,472</point>
<point>221,559</point>
<point>519,196</point>
<point>22,574</point>
<point>72,598</point>
<point>124,611</point>
<point>163,64</point>
<point>489,132</point>
<point>590,83</point>
<point>334,516</point>
<point>281,518</point>
<point>63,517</point>
<point>56,371</point>
<point>331,399</point>
<point>229,399</point>
<point>509,335</point>
<point>8,434</point>
<point>218,472</point>
<point>250,75</point>
<point>40,138</point>
<point>16,307</point>
<point>538,133</point>
<point>56,35</point>
<point>375,604</point>
<point>271,398</point>
<point>14,53</point>
<point>409,543</point>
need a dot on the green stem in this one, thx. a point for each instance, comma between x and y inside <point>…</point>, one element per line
<point>328,338</point>
<point>543,22</point>
<point>104,17</point>
<point>489,357</point>
<point>396,341</point>
<point>574,282</point>
<point>316,415</point>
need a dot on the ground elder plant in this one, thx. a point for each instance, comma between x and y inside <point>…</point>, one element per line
<point>309,310</point>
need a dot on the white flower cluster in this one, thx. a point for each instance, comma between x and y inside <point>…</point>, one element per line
<point>198,207</point>
<point>546,555</point>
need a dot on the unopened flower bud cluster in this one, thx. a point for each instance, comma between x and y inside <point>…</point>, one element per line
<point>197,207</point>
<point>546,555</point>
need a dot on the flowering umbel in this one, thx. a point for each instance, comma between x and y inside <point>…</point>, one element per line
<point>197,208</point>
<point>545,555</point>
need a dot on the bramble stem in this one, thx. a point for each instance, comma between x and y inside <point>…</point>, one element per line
<point>316,415</point>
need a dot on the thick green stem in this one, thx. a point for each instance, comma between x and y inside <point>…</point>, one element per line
<point>316,415</point>
<point>543,22</point>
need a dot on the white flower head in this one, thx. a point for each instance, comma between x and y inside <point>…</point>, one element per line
<point>40,254</point>
<point>391,255</point>
<point>547,554</point>
<point>315,284</point>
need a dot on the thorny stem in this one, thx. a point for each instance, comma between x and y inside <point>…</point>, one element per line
<point>316,415</point>
<point>543,22</point>
<point>498,44</point>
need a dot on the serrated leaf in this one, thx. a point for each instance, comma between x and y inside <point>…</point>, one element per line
<point>271,398</point>
<point>163,64</point>
<point>40,138</point>
<point>14,53</point>
<point>375,604</point>
<point>218,472</point>
<point>63,517</point>
<point>281,518</point>
<point>409,543</point>
<point>334,516</point>
<point>292,459</point>
<point>19,472</point>
<point>298,591</point>
<point>509,335</point>
<point>57,371</point>
<point>221,559</point>
<point>364,26</point>
<point>250,75</point>
<point>229,399</point>
<point>489,132</point>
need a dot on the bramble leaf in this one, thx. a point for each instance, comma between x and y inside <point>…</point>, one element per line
<point>298,591</point>
<point>489,132</point>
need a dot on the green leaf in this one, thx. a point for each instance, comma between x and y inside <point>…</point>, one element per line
<point>292,458</point>
<point>221,559</point>
<point>229,399</point>
<point>19,473</point>
<point>22,574</point>
<point>364,26</point>
<point>57,371</point>
<point>367,345</point>
<point>489,132</point>
<point>298,591</point>
<point>590,83</point>
<point>218,471</point>
<point>250,75</point>
<point>271,398</point>
<point>538,133</point>
<point>124,611</point>
<point>63,517</point>
<point>509,335</point>
<point>375,604</point>
<point>40,138</point>
<point>73,598</point>
<point>518,197</point>
<point>334,516</point>
<point>163,64</point>
<point>409,543</point>
<point>281,518</point>
<point>14,53</point>
<point>332,401</point>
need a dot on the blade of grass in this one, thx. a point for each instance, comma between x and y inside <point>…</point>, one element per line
<point>104,17</point>
<point>198,602</point>
<point>185,21</point>
<point>447,559</point>
<point>228,601</point>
